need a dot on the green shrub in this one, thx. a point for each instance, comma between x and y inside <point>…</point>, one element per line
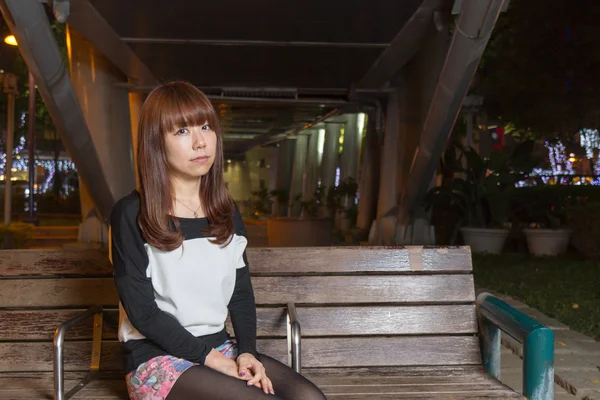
<point>584,221</point>
<point>15,235</point>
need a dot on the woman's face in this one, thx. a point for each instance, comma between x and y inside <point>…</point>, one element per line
<point>191,151</point>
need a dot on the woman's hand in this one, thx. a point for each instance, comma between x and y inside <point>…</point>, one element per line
<point>250,367</point>
<point>224,365</point>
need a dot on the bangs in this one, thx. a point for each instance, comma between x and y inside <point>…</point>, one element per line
<point>184,105</point>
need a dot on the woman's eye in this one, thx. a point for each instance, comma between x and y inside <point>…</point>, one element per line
<point>206,127</point>
<point>182,131</point>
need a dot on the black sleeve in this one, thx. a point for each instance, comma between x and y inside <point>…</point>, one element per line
<point>136,294</point>
<point>242,307</point>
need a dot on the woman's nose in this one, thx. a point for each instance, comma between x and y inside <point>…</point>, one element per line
<point>199,140</point>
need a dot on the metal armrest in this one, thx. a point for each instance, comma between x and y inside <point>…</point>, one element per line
<point>59,338</point>
<point>494,316</point>
<point>293,338</point>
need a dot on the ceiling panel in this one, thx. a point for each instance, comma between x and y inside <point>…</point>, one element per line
<point>290,20</point>
<point>257,66</point>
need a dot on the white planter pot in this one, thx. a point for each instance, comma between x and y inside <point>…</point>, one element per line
<point>482,240</point>
<point>547,242</point>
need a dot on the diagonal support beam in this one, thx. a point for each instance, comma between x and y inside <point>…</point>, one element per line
<point>403,47</point>
<point>471,35</point>
<point>28,22</point>
<point>86,20</point>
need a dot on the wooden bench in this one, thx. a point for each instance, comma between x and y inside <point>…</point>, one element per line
<point>375,323</point>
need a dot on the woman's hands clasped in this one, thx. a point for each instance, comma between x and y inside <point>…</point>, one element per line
<point>252,370</point>
<point>247,368</point>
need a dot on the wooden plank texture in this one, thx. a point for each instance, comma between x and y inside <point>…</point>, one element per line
<point>364,289</point>
<point>322,321</point>
<point>41,324</point>
<point>78,292</point>
<point>114,389</point>
<point>74,292</point>
<point>14,263</point>
<point>316,352</point>
<point>304,260</point>
<point>373,383</point>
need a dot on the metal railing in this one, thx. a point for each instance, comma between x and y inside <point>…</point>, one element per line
<point>59,339</point>
<point>538,345</point>
<point>293,338</point>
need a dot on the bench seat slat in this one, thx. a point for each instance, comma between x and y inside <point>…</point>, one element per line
<point>78,292</point>
<point>316,352</point>
<point>319,321</point>
<point>364,289</point>
<point>340,383</point>
<point>359,259</point>
<point>22,263</point>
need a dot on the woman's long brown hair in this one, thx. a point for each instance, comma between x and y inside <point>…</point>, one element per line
<point>170,106</point>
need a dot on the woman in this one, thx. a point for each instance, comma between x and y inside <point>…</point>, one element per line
<point>179,261</point>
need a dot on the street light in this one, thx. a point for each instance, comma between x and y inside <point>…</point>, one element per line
<point>10,39</point>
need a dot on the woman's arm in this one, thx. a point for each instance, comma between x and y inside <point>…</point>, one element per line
<point>130,262</point>
<point>242,306</point>
<point>242,310</point>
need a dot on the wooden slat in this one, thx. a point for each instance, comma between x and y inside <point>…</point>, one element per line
<point>372,383</point>
<point>117,390</point>
<point>347,321</point>
<point>74,292</point>
<point>328,352</point>
<point>54,262</point>
<point>41,324</point>
<point>364,289</point>
<point>304,260</point>
<point>466,395</point>
<point>322,321</point>
<point>262,260</point>
<point>78,292</point>
<point>370,320</point>
<point>35,356</point>
<point>390,351</point>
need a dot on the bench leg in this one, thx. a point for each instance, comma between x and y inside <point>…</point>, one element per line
<point>59,338</point>
<point>491,347</point>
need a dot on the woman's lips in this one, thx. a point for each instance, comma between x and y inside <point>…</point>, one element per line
<point>201,159</point>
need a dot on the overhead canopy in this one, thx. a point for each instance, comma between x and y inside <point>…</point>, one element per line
<point>271,68</point>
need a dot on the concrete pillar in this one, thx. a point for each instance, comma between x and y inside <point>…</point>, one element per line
<point>298,175</point>
<point>330,154</point>
<point>384,231</point>
<point>312,166</point>
<point>272,164</point>
<point>368,183</point>
<point>350,148</point>
<point>106,111</point>
<point>418,83</point>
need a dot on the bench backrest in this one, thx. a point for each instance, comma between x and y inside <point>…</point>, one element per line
<point>358,306</point>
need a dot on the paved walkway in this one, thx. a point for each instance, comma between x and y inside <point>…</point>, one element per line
<point>576,358</point>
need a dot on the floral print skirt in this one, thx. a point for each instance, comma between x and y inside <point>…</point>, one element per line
<point>154,379</point>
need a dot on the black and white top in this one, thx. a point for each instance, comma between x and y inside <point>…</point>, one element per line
<point>176,302</point>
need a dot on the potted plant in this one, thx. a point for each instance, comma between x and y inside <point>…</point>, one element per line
<point>545,219</point>
<point>307,230</point>
<point>280,198</point>
<point>261,203</point>
<point>481,194</point>
<point>341,204</point>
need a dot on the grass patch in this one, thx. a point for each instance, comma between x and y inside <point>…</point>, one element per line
<point>562,288</point>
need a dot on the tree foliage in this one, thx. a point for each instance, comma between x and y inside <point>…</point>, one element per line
<point>541,69</point>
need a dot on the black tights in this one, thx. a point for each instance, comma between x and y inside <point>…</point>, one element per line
<point>203,383</point>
